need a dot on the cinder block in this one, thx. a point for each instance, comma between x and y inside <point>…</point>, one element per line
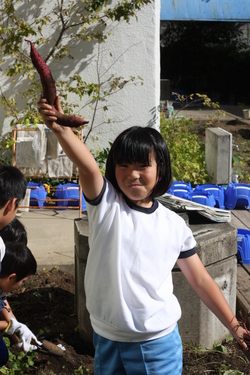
<point>81,231</point>
<point>218,155</point>
<point>216,247</point>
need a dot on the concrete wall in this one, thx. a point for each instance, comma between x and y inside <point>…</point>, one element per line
<point>216,247</point>
<point>131,50</point>
<point>81,234</point>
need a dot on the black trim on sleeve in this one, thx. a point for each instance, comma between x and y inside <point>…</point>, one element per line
<point>97,200</point>
<point>187,254</point>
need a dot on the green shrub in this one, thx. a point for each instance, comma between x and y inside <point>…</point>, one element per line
<point>187,153</point>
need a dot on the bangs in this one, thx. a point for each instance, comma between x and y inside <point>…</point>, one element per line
<point>137,145</point>
<point>133,151</point>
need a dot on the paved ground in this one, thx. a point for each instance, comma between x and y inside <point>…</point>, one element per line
<point>51,232</point>
<point>229,113</point>
<point>51,237</point>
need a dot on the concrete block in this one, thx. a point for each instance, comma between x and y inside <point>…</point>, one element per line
<point>218,155</point>
<point>215,241</point>
<point>198,324</point>
<point>216,247</point>
<point>81,231</point>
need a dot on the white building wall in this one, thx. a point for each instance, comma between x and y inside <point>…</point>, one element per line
<point>131,50</point>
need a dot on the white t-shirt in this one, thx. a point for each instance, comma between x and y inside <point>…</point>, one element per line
<point>128,279</point>
<point>2,253</point>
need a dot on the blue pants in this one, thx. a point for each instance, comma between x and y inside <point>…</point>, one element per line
<point>161,356</point>
<point>4,353</point>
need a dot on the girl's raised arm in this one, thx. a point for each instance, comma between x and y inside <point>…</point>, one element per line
<point>90,176</point>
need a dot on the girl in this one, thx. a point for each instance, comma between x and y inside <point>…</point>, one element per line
<point>134,244</point>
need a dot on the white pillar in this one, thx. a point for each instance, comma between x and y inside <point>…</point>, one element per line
<point>218,155</point>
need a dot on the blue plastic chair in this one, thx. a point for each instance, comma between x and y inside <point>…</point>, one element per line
<point>216,190</point>
<point>203,197</point>
<point>69,191</point>
<point>38,194</point>
<point>243,245</point>
<point>181,189</point>
<point>237,195</point>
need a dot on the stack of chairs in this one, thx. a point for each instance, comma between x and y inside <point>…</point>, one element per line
<point>237,195</point>
<point>243,245</point>
<point>205,191</point>
<point>181,189</point>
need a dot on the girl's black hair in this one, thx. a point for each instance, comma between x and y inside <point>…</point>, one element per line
<point>14,232</point>
<point>12,184</point>
<point>18,259</point>
<point>134,145</point>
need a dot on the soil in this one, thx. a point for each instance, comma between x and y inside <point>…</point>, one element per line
<point>46,304</point>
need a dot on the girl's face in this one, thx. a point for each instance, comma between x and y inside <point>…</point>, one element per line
<point>137,181</point>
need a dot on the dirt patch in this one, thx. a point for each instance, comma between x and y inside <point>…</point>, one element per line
<point>46,304</point>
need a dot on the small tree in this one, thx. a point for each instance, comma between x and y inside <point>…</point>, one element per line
<point>59,27</point>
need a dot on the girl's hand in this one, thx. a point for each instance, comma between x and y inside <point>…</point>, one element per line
<point>49,115</point>
<point>241,334</point>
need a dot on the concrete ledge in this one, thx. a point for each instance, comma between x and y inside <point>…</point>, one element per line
<point>81,254</point>
<point>198,324</point>
<point>215,241</point>
<point>216,247</point>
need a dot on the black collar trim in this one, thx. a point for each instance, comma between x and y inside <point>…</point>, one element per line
<point>145,210</point>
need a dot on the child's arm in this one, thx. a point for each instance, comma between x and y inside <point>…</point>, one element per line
<point>209,292</point>
<point>90,176</point>
<point>5,315</point>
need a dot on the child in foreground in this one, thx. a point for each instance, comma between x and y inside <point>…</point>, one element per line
<point>14,232</point>
<point>12,190</point>
<point>17,263</point>
<point>134,244</point>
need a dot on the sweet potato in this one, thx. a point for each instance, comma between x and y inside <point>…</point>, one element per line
<point>49,89</point>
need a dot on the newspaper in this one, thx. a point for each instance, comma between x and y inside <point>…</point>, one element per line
<point>178,204</point>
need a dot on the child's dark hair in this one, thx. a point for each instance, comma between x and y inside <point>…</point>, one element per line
<point>134,145</point>
<point>12,184</point>
<point>18,259</point>
<point>14,232</point>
